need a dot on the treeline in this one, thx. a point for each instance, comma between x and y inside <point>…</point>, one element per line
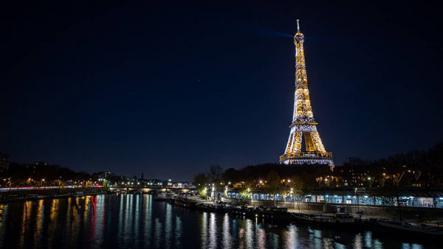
<point>45,174</point>
<point>417,169</point>
<point>39,173</point>
<point>421,168</point>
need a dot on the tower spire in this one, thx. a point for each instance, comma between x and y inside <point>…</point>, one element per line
<point>304,143</point>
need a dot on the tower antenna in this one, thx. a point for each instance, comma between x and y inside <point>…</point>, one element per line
<point>298,25</point>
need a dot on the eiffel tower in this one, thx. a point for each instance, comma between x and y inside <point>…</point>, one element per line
<point>304,144</point>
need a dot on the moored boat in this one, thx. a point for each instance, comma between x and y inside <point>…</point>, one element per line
<point>411,227</point>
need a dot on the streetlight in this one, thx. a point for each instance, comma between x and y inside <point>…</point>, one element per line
<point>213,192</point>
<point>291,192</point>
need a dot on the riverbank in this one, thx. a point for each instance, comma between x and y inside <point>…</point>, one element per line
<point>327,216</point>
<point>24,194</point>
<point>343,219</point>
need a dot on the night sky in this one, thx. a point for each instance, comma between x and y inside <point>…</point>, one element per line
<point>169,90</point>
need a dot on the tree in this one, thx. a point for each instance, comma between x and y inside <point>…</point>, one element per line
<point>273,184</point>
<point>298,184</point>
<point>215,173</point>
<point>200,180</point>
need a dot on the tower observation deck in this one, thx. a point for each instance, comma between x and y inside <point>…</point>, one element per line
<point>304,143</point>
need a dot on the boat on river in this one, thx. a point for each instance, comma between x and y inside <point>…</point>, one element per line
<point>412,228</point>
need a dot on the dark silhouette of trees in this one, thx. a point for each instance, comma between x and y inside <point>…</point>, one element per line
<point>415,169</point>
<point>273,183</point>
<point>215,173</point>
<point>200,180</point>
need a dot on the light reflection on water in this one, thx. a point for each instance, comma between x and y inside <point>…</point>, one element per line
<point>136,221</point>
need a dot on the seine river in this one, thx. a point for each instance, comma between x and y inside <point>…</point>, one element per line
<point>136,221</point>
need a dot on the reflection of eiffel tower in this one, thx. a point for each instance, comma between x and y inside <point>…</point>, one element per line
<point>303,127</point>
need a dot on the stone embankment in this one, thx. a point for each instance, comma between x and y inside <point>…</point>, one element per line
<point>45,193</point>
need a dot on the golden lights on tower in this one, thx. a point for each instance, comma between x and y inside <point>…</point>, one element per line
<point>304,143</point>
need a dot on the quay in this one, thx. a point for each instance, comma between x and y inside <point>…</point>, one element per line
<point>35,193</point>
<point>418,222</point>
<point>413,221</point>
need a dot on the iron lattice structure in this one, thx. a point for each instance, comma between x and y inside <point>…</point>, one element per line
<point>304,143</point>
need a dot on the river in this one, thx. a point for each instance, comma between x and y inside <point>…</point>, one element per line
<point>137,221</point>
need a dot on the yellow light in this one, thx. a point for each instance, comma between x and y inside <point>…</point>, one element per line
<point>204,192</point>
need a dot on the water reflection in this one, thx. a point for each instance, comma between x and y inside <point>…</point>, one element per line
<point>203,230</point>
<point>358,241</point>
<point>3,214</point>
<point>136,221</point>
<point>39,222</point>
<point>212,232</point>
<point>178,232</point>
<point>168,225</point>
<point>411,246</point>
<point>290,237</point>
<point>226,232</point>
<point>99,219</point>
<point>158,230</point>
<point>147,218</point>
<point>136,216</point>
<point>261,237</point>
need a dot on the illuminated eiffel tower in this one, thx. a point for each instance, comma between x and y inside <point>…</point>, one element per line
<point>304,144</point>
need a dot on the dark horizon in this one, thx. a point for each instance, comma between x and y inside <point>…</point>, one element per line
<point>139,87</point>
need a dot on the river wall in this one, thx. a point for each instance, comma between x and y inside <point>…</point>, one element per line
<point>376,211</point>
<point>33,194</point>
